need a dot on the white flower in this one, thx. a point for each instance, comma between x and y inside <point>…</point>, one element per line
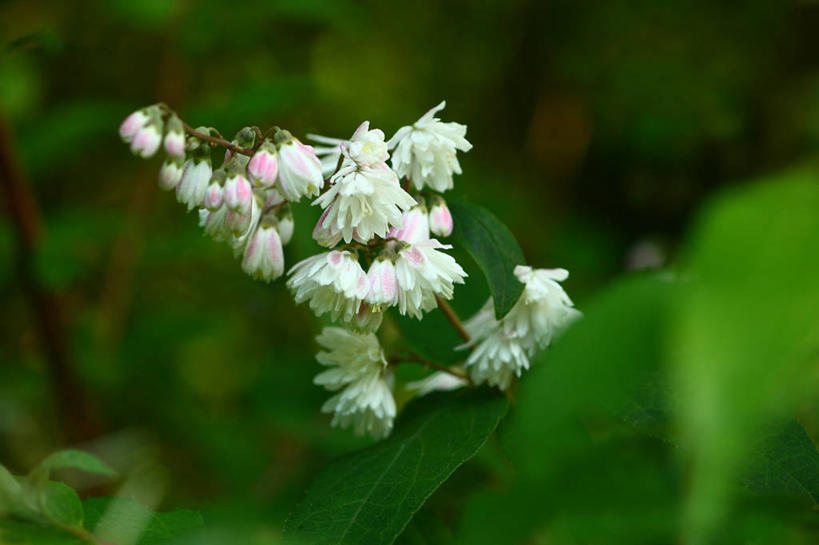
<point>299,170</point>
<point>367,147</point>
<point>333,282</point>
<point>264,167</point>
<point>358,369</point>
<point>214,197</point>
<point>367,320</point>
<point>440,381</point>
<point>383,290</point>
<point>364,201</point>
<point>285,226</point>
<point>440,219</point>
<point>502,348</point>
<point>147,139</point>
<point>170,174</point>
<point>128,129</point>
<point>238,194</point>
<point>414,226</point>
<point>263,255</point>
<point>194,184</point>
<point>423,272</point>
<point>223,224</point>
<point>425,151</point>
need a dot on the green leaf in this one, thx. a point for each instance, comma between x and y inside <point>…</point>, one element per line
<point>15,532</point>
<point>73,459</point>
<point>368,497</point>
<point>124,520</point>
<point>494,249</point>
<point>60,503</point>
<point>787,462</point>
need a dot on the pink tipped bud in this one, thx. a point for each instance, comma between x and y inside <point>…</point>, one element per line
<point>132,124</point>
<point>214,196</point>
<point>264,167</point>
<point>440,219</point>
<point>414,226</point>
<point>238,194</point>
<point>263,257</point>
<point>299,170</point>
<point>146,140</point>
<point>170,174</point>
<point>383,287</point>
<point>175,138</point>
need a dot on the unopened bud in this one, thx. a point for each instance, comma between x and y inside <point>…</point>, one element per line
<point>175,138</point>
<point>238,194</point>
<point>170,174</point>
<point>264,167</point>
<point>440,219</point>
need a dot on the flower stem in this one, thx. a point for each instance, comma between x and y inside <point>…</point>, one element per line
<point>213,139</point>
<point>412,357</point>
<point>452,317</point>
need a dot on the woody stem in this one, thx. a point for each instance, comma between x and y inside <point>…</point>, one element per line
<point>452,317</point>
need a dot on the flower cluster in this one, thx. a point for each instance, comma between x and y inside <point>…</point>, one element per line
<point>379,215</point>
<point>501,348</point>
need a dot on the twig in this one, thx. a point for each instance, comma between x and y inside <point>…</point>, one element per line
<point>452,317</point>
<point>415,358</point>
<point>218,141</point>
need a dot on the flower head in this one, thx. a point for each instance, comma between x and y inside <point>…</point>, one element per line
<point>424,271</point>
<point>383,290</point>
<point>299,169</point>
<point>195,179</point>
<point>425,151</point>
<point>175,138</point>
<point>238,193</point>
<point>333,282</point>
<point>264,167</point>
<point>414,226</point>
<point>170,174</point>
<point>263,256</point>
<point>358,373</point>
<point>367,147</point>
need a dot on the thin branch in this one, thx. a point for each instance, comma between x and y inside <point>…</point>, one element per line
<point>218,141</point>
<point>415,358</point>
<point>453,318</point>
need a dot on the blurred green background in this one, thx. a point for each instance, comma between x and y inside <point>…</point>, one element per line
<point>599,127</point>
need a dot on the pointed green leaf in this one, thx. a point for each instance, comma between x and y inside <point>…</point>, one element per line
<point>60,503</point>
<point>368,497</point>
<point>73,459</point>
<point>494,249</point>
<point>125,520</point>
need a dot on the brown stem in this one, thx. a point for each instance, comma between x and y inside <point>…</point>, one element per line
<point>218,141</point>
<point>415,358</point>
<point>72,405</point>
<point>453,318</point>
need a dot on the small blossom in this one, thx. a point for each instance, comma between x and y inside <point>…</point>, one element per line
<point>333,282</point>
<point>440,219</point>
<point>264,167</point>
<point>170,174</point>
<point>147,139</point>
<point>132,124</point>
<point>367,147</point>
<point>414,226</point>
<point>175,138</point>
<point>285,225</point>
<point>263,257</point>
<point>436,382</point>
<point>214,196</point>
<point>501,349</point>
<point>238,194</point>
<point>358,371</point>
<point>363,202</point>
<point>425,151</point>
<point>383,284</point>
<point>299,170</point>
<point>194,183</point>
<point>423,272</point>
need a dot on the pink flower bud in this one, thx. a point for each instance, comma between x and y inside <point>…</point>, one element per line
<point>238,194</point>
<point>264,166</point>
<point>299,171</point>
<point>132,123</point>
<point>263,257</point>
<point>170,174</point>
<point>175,138</point>
<point>382,283</point>
<point>146,140</point>
<point>414,226</point>
<point>440,219</point>
<point>214,196</point>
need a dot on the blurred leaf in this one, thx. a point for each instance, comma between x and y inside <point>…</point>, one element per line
<point>493,247</point>
<point>73,459</point>
<point>124,520</point>
<point>746,332</point>
<point>368,497</point>
<point>61,503</point>
<point>788,462</point>
<point>13,532</point>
